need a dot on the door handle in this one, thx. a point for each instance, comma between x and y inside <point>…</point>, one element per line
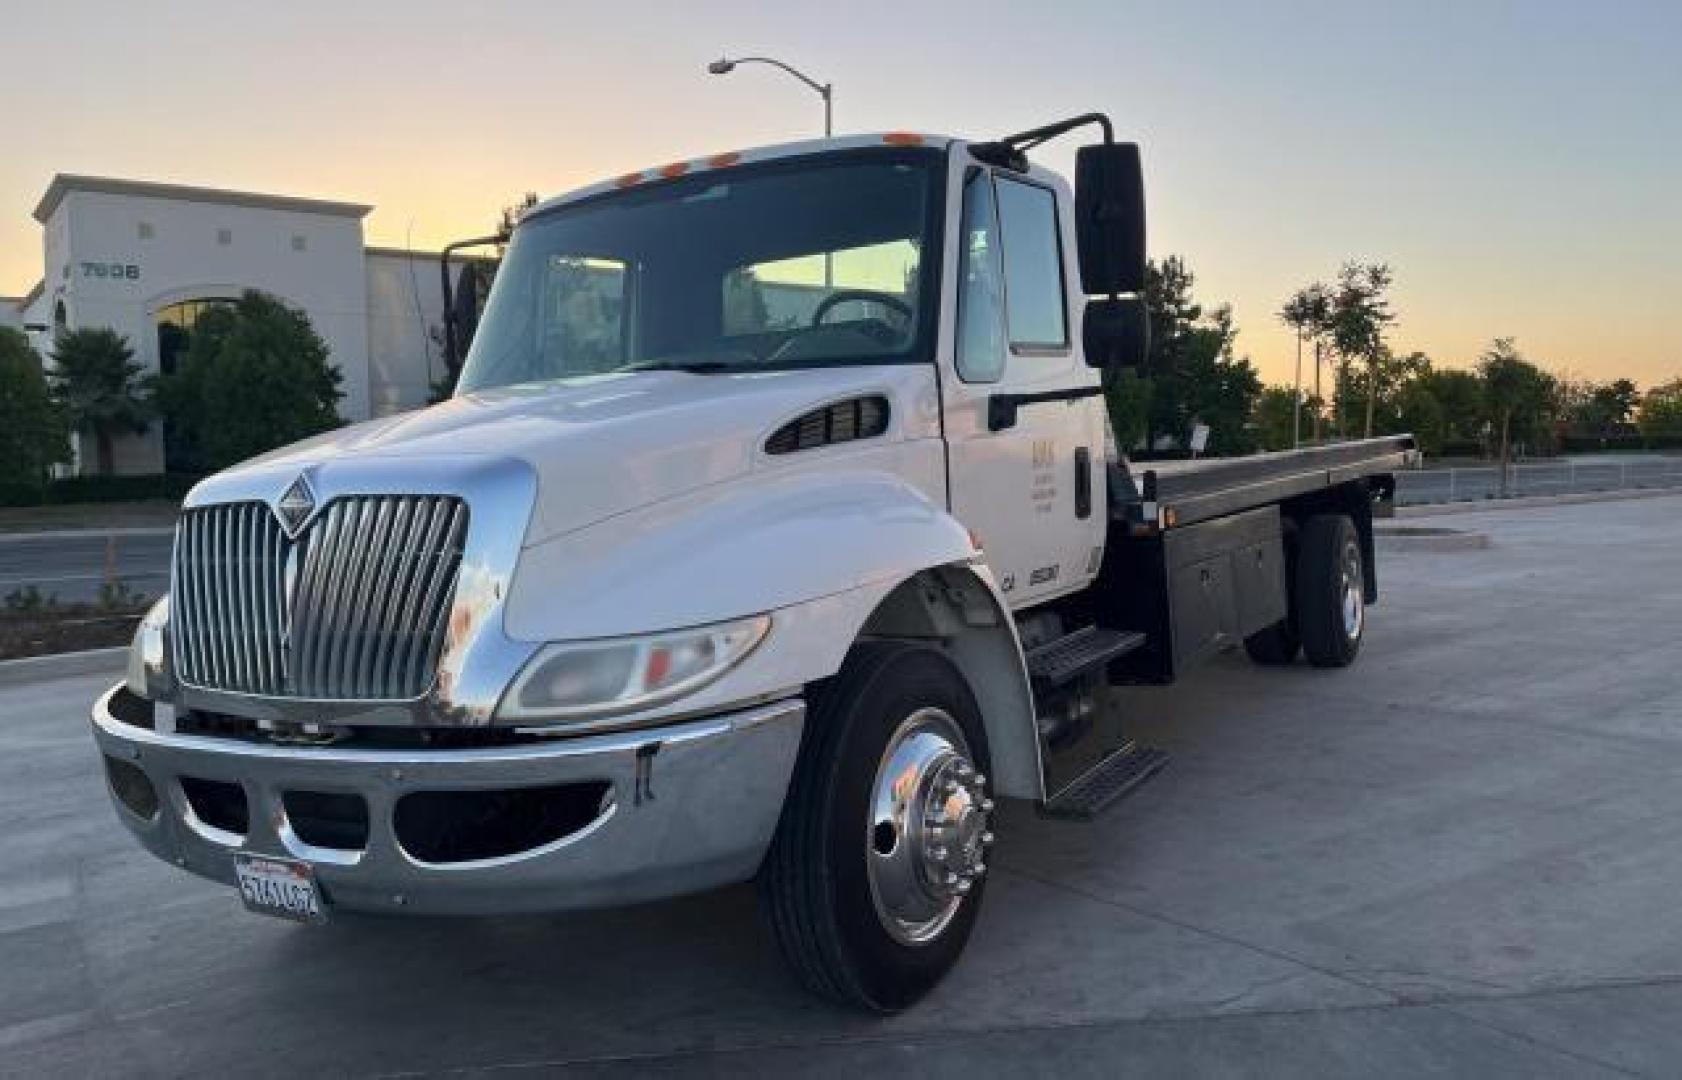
<point>1001,408</point>
<point>1083,483</point>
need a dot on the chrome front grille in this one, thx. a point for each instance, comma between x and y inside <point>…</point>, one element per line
<point>357,607</point>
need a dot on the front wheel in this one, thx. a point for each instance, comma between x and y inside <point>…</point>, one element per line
<point>877,870</point>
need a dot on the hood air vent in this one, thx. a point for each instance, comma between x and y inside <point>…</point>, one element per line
<point>844,421</point>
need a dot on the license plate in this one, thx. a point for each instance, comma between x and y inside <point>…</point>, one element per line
<point>281,887</point>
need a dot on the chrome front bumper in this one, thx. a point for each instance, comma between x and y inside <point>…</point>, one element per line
<point>690,806</point>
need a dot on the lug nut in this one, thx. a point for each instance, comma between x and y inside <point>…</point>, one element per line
<point>961,888</point>
<point>978,869</point>
<point>986,839</point>
<point>979,780</point>
<point>938,854</point>
<point>986,806</point>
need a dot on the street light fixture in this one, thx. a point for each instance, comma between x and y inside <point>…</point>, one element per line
<point>724,66</point>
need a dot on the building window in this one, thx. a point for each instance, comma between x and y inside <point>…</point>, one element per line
<point>145,230</point>
<point>175,329</point>
<point>176,323</point>
<point>298,243</point>
<point>224,236</point>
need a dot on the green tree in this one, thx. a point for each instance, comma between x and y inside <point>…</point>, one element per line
<point>1591,408</point>
<point>1194,376</point>
<point>1128,394</point>
<point>1661,410</point>
<point>1390,380</point>
<point>1617,401</point>
<point>97,385</point>
<point>1419,413</point>
<point>1308,312</point>
<point>1518,398</point>
<point>32,433</point>
<point>1459,396</point>
<point>255,377</point>
<point>1276,418</point>
<point>1360,317</point>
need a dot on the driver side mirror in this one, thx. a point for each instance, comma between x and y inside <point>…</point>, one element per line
<point>1116,333</point>
<point>1110,218</point>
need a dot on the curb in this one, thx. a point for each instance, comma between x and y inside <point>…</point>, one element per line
<point>85,534</point>
<point>1418,538</point>
<point>1485,505</point>
<point>33,669</point>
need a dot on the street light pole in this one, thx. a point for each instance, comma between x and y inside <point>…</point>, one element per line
<point>724,66</point>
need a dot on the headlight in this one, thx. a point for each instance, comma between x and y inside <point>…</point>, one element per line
<point>148,656</point>
<point>579,680</point>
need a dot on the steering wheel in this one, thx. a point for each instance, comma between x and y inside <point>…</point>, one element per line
<point>843,296</point>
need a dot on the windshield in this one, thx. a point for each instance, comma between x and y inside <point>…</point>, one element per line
<point>811,262</point>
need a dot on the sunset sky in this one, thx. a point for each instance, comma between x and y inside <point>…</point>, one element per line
<point>1519,164</point>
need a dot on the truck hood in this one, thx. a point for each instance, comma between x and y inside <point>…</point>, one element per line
<point>607,444</point>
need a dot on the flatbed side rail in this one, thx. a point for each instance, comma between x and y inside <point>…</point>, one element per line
<point>1186,493</point>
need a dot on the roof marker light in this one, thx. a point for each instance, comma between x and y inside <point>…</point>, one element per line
<point>674,170</point>
<point>629,180</point>
<point>903,138</point>
<point>723,161</point>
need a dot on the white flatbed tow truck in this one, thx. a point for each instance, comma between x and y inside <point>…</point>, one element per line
<point>774,532</point>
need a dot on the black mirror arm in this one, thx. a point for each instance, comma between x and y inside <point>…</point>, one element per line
<point>1027,140</point>
<point>1011,152</point>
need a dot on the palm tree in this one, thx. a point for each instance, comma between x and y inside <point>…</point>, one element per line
<point>1308,312</point>
<point>97,384</point>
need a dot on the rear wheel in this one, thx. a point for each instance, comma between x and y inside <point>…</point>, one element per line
<point>1274,645</point>
<point>1330,590</point>
<point>877,870</point>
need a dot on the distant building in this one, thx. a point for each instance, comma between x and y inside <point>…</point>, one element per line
<point>145,259</point>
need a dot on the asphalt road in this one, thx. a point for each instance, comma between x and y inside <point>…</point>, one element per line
<point>1460,856</point>
<point>72,567</point>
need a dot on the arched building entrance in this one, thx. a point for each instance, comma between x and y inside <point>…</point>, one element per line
<point>175,323</point>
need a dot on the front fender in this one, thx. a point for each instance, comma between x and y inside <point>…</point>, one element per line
<point>746,547</point>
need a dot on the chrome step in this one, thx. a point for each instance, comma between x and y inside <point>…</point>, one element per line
<point>1118,775</point>
<point>1058,663</point>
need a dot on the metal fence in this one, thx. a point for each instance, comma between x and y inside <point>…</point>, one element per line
<point>1545,478</point>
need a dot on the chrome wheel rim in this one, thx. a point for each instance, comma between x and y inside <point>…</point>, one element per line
<point>928,827</point>
<point>1354,599</point>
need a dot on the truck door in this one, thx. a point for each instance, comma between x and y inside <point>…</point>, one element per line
<point>1023,421</point>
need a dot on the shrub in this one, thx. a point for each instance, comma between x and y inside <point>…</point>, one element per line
<point>32,432</point>
<point>96,384</point>
<point>255,377</point>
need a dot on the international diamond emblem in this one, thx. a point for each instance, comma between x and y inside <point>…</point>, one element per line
<point>296,506</point>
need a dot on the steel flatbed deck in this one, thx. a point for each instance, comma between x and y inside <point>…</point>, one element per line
<point>1168,494</point>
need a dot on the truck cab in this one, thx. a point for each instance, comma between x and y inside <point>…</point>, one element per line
<point>773,532</point>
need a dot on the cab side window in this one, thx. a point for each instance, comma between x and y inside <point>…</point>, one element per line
<point>1035,309</point>
<point>981,292</point>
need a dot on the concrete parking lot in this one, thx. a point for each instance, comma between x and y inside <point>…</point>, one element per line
<point>1463,855</point>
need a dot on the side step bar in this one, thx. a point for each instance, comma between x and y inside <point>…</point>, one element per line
<point>1119,774</point>
<point>1058,663</point>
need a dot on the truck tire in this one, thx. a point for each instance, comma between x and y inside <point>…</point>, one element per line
<point>1330,596</point>
<point>872,885</point>
<point>1274,645</point>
